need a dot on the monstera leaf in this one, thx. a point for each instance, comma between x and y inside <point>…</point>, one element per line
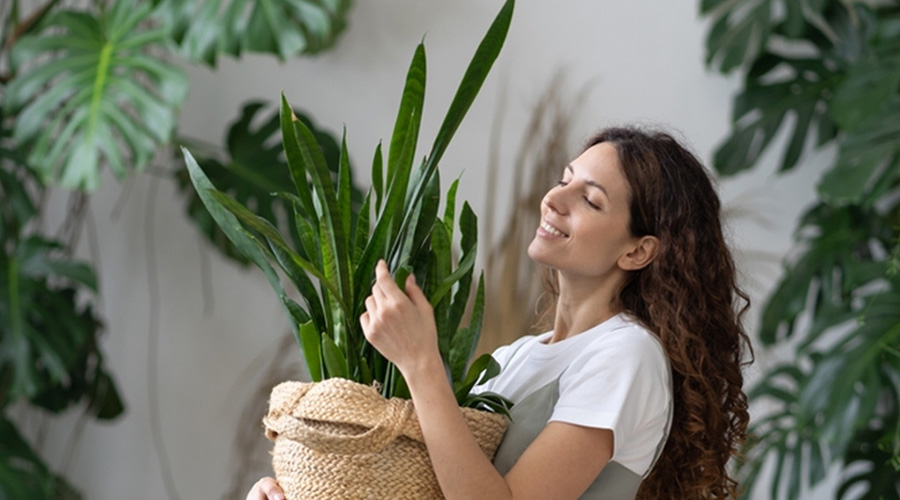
<point>821,414</point>
<point>762,107</point>
<point>741,30</point>
<point>95,95</point>
<point>867,106</point>
<point>17,208</point>
<point>830,66</point>
<point>50,348</point>
<point>868,161</point>
<point>253,170</point>
<point>204,28</point>
<point>23,474</point>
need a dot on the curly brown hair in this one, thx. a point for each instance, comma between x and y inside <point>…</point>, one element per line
<point>689,298</point>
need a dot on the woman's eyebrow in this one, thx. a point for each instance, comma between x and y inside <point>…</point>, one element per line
<point>590,182</point>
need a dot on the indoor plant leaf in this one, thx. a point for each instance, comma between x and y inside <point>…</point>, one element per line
<point>739,32</point>
<point>404,232</point>
<point>22,472</point>
<point>251,169</point>
<point>869,153</point>
<point>762,107</point>
<point>95,95</point>
<point>204,28</point>
<point>50,349</point>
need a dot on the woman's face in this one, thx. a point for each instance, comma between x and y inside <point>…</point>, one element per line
<point>585,218</point>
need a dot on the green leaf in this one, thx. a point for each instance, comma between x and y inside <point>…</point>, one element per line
<point>406,126</point>
<point>17,208</point>
<point>250,170</point>
<point>474,77</point>
<point>311,342</point>
<point>840,233</point>
<point>285,28</point>
<point>94,94</point>
<point>378,177</point>
<point>35,261</point>
<point>450,209</point>
<point>488,401</point>
<point>230,225</point>
<point>335,361</point>
<point>344,194</point>
<point>481,370</point>
<point>867,154</point>
<point>739,33</point>
<point>331,233</point>
<point>265,228</point>
<point>104,401</point>
<point>871,468</point>
<point>466,339</point>
<point>387,226</point>
<point>294,154</point>
<point>465,266</point>
<point>760,110</point>
<point>438,269</point>
<point>468,224</point>
<point>870,85</point>
<point>23,474</point>
<point>361,235</point>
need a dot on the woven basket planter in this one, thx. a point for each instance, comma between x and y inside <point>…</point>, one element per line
<point>340,440</point>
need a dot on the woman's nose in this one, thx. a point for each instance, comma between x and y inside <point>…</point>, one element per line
<point>555,199</point>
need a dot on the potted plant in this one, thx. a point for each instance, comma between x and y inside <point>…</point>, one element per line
<point>357,409</point>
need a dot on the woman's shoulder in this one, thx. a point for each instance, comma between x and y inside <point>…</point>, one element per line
<point>627,342</point>
<point>506,352</point>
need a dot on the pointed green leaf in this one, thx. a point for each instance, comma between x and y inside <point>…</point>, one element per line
<point>409,116</point>
<point>311,341</point>
<point>466,339</point>
<point>229,223</point>
<point>378,178</point>
<point>335,361</point>
<point>474,77</point>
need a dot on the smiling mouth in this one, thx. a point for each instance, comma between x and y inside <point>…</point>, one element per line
<point>552,230</point>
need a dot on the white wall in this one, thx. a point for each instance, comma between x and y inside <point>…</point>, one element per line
<point>645,58</point>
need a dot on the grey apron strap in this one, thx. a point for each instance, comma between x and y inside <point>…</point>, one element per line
<point>530,416</point>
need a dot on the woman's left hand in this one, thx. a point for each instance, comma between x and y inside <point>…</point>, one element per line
<point>400,325</point>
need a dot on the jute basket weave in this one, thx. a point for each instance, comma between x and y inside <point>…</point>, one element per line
<point>340,440</point>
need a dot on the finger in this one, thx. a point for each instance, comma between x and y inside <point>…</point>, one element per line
<point>364,321</point>
<point>416,295</point>
<point>385,282</point>
<point>371,304</point>
<point>266,489</point>
<point>378,293</point>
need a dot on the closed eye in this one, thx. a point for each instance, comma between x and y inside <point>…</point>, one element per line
<point>591,204</point>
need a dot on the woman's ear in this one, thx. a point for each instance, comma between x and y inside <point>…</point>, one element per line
<point>643,253</point>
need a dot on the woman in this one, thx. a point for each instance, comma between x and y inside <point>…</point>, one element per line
<point>637,390</point>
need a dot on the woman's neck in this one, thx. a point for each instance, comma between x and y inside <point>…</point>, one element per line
<point>581,306</point>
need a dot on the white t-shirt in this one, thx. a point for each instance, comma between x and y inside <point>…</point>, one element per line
<point>613,376</point>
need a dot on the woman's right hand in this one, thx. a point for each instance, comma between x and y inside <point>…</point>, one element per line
<point>265,489</point>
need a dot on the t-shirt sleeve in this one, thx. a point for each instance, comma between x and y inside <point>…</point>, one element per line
<point>620,382</point>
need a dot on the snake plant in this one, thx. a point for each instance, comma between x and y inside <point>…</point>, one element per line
<point>399,221</point>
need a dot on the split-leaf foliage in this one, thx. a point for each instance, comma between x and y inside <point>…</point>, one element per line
<point>828,72</point>
<point>87,86</point>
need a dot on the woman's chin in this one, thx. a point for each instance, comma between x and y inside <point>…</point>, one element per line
<point>536,253</point>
